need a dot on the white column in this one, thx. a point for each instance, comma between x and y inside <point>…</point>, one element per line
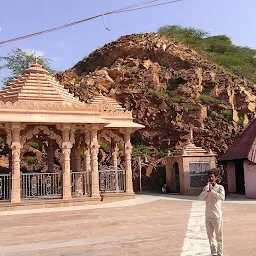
<point>15,146</point>
<point>50,155</point>
<point>72,159</point>
<point>87,165</point>
<point>78,159</point>
<point>114,152</point>
<point>66,150</point>
<point>128,165</point>
<point>94,149</point>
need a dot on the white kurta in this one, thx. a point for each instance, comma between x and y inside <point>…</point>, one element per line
<point>213,217</point>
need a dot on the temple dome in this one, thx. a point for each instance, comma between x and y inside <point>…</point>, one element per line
<point>37,85</point>
<point>106,101</point>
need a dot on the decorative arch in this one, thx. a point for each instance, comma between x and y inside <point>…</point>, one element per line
<point>107,135</point>
<point>43,128</point>
<point>8,134</point>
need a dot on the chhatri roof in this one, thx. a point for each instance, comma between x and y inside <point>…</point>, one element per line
<point>244,147</point>
<point>190,149</point>
<point>37,84</point>
<point>36,97</point>
<point>106,101</point>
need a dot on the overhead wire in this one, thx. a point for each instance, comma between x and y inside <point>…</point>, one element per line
<point>134,7</point>
<point>126,8</point>
<point>150,6</point>
<point>75,22</point>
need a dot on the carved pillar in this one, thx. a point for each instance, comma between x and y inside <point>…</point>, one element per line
<point>87,163</point>
<point>128,165</point>
<point>50,155</point>
<point>78,159</point>
<point>15,146</point>
<point>114,154</point>
<point>66,150</point>
<point>73,160</point>
<point>10,160</point>
<point>94,149</point>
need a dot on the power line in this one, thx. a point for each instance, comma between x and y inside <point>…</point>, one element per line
<point>76,22</point>
<point>134,7</point>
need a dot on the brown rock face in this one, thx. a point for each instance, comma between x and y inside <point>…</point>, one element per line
<point>169,87</point>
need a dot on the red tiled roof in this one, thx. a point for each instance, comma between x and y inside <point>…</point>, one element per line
<point>244,147</point>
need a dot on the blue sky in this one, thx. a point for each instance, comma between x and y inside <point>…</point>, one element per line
<point>235,18</point>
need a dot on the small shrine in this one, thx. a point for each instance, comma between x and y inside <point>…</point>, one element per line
<point>186,169</point>
<point>34,106</point>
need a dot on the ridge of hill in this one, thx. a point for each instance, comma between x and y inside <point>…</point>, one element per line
<point>170,87</point>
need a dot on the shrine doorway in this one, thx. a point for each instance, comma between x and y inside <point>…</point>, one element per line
<point>176,176</point>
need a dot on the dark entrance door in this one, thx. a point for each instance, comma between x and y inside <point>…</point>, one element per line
<point>239,170</point>
<point>176,177</point>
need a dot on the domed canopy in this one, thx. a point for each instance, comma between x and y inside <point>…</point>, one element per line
<point>36,97</point>
<point>103,101</point>
<point>36,84</point>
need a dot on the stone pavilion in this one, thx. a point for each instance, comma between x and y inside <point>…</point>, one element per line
<point>36,106</point>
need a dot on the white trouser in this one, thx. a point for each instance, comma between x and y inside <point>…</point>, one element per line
<point>214,227</point>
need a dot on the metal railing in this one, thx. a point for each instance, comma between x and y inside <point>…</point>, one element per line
<point>41,185</point>
<point>111,179</point>
<point>5,180</point>
<point>80,184</point>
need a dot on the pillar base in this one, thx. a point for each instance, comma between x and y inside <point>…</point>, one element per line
<point>96,196</point>
<point>15,196</point>
<point>67,197</point>
<point>66,193</point>
<point>129,193</point>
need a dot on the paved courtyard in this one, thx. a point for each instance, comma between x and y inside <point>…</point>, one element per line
<point>148,225</point>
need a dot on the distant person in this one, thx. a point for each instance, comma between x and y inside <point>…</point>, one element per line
<point>213,194</point>
<point>165,189</point>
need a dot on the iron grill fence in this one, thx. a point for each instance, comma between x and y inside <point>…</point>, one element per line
<point>49,185</point>
<point>41,185</point>
<point>80,184</point>
<point>5,184</point>
<point>111,179</point>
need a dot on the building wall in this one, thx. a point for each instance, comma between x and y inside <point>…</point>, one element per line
<point>169,162</point>
<point>184,175</point>
<point>250,179</point>
<point>231,177</point>
<point>186,183</point>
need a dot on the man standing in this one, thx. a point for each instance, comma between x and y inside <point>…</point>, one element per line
<point>213,194</point>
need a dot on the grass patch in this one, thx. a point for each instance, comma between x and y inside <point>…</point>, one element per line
<point>204,99</point>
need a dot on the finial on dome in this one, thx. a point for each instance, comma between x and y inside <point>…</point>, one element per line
<point>191,135</point>
<point>190,139</point>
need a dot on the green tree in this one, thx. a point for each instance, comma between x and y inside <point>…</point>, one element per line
<point>17,61</point>
<point>190,35</point>
<point>218,44</point>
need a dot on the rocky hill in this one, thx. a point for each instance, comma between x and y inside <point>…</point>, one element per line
<point>169,87</point>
